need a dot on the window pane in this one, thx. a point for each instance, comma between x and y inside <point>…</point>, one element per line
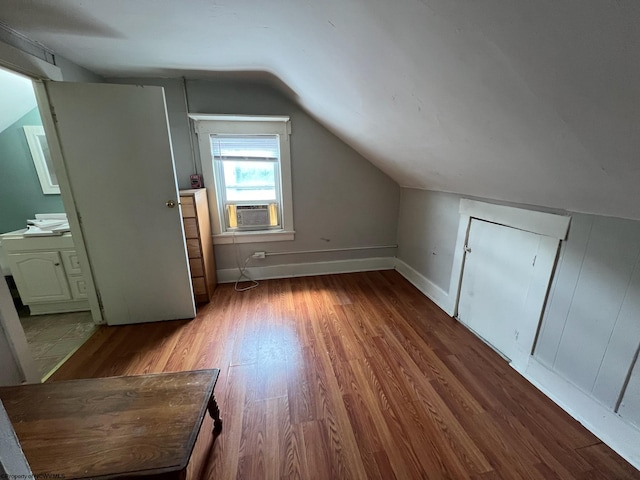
<point>249,180</point>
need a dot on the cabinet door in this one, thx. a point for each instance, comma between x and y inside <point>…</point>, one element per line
<point>39,277</point>
<point>71,262</point>
<point>78,287</point>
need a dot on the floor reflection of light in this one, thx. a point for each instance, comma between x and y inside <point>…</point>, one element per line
<point>274,346</point>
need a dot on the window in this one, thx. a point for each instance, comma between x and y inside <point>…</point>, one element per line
<point>247,173</point>
<point>246,169</point>
<point>39,149</point>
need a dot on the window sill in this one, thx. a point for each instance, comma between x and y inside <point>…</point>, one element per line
<point>253,237</point>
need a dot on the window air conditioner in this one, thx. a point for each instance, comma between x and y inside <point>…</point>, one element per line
<point>253,217</point>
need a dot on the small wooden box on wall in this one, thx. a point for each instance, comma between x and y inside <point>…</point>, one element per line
<point>197,230</point>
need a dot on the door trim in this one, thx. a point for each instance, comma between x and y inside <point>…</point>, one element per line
<point>24,63</point>
<point>542,223</point>
<point>67,198</point>
<point>10,323</point>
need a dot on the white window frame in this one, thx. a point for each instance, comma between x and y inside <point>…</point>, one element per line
<point>35,138</point>
<point>207,125</point>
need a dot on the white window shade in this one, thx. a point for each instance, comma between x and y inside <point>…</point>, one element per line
<point>245,147</point>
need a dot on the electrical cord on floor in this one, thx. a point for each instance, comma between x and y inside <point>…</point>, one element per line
<point>242,270</point>
<point>254,283</point>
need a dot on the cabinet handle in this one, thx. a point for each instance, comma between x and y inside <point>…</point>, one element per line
<point>56,264</point>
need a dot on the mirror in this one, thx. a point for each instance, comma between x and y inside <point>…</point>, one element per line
<point>42,159</point>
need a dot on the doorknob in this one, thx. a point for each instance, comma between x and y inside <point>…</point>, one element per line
<point>171,203</point>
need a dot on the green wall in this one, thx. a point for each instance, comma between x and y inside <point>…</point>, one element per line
<point>21,196</point>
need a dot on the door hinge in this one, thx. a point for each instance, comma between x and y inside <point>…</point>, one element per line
<point>53,113</point>
<point>467,249</point>
<point>100,305</point>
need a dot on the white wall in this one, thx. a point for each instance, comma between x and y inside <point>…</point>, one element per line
<point>427,230</point>
<point>9,370</point>
<point>13,344</point>
<point>339,198</point>
<point>72,72</point>
<point>590,331</point>
<point>630,406</point>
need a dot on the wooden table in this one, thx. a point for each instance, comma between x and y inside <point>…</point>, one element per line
<point>143,425</point>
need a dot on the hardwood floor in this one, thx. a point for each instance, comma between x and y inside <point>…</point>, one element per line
<point>353,376</point>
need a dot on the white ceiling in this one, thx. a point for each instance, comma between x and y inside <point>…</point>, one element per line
<point>527,101</point>
<point>16,98</point>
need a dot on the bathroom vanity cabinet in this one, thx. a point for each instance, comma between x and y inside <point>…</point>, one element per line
<point>47,272</point>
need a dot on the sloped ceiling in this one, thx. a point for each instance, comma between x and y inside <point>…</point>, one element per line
<point>527,101</point>
<point>16,98</point>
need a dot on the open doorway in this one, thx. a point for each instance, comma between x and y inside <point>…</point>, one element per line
<point>40,267</point>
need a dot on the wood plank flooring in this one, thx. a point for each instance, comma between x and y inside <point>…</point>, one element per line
<point>352,377</point>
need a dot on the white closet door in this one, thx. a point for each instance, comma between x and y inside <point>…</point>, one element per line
<point>504,284</point>
<point>117,153</point>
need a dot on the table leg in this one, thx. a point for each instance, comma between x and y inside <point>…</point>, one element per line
<point>214,411</point>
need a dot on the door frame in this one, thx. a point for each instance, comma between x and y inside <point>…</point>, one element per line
<point>543,223</point>
<point>38,70</point>
<point>26,64</point>
<point>550,225</point>
<point>67,199</point>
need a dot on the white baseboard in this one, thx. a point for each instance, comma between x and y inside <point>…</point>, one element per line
<point>620,435</point>
<point>307,269</point>
<point>426,286</point>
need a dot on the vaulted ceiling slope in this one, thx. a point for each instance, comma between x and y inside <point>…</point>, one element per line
<point>527,101</point>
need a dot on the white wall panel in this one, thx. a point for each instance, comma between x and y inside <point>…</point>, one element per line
<point>562,289</point>
<point>622,346</point>
<point>601,288</point>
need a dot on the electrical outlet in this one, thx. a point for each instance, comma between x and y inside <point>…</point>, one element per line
<point>259,255</point>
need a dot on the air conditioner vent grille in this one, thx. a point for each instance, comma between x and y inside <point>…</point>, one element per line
<point>252,217</point>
